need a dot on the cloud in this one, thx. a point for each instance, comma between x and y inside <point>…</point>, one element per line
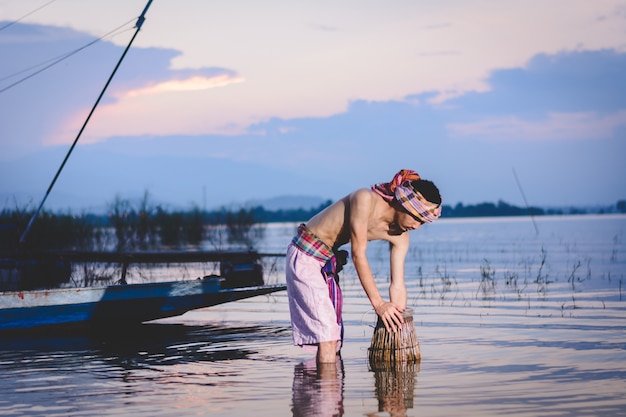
<point>576,81</point>
<point>439,53</point>
<point>570,95</point>
<point>526,113</point>
<point>435,26</point>
<point>196,83</point>
<point>324,28</point>
<point>556,126</point>
<point>148,71</point>
<point>60,97</point>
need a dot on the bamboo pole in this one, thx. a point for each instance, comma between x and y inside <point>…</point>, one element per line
<point>138,25</point>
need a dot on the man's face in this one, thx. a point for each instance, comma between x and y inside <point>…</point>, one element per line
<point>403,223</point>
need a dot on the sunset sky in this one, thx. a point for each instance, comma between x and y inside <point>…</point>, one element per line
<point>220,103</point>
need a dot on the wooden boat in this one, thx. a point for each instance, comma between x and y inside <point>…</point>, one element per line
<point>123,304</point>
<point>28,306</point>
<point>116,304</point>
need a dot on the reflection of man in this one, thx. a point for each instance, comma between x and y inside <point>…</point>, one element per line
<point>384,212</point>
<point>318,390</point>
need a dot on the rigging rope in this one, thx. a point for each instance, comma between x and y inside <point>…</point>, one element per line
<point>26,15</point>
<point>60,58</point>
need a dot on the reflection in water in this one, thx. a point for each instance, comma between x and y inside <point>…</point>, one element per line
<point>318,389</point>
<point>145,345</point>
<point>152,369</point>
<point>395,387</point>
<point>143,353</point>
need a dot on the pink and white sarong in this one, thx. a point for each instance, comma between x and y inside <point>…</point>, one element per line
<point>315,299</point>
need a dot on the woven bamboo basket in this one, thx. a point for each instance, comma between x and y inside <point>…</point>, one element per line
<point>397,347</point>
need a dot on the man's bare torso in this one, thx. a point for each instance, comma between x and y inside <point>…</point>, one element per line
<point>333,224</point>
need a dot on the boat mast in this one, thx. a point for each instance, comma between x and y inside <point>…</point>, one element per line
<point>138,25</point>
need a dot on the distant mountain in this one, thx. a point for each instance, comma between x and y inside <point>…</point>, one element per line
<point>288,202</point>
<point>95,176</point>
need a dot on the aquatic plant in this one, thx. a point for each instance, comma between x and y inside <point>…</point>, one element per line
<point>243,228</point>
<point>170,227</point>
<point>193,226</point>
<point>60,231</point>
<point>542,280</point>
<point>151,227</point>
<point>134,227</point>
<point>511,281</point>
<point>446,282</point>
<point>487,285</point>
<point>240,228</point>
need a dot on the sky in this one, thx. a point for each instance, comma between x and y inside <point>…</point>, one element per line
<point>222,103</point>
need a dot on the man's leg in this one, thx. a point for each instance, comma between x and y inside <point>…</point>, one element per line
<point>327,352</point>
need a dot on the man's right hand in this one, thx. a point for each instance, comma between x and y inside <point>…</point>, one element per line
<point>391,315</point>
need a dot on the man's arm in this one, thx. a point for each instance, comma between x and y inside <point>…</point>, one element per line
<point>397,287</point>
<point>361,205</point>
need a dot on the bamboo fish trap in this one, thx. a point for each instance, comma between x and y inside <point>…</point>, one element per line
<point>401,346</point>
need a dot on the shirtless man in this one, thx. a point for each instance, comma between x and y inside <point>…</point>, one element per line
<point>384,212</point>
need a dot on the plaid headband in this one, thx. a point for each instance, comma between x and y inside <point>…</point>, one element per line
<point>399,188</point>
<point>417,205</point>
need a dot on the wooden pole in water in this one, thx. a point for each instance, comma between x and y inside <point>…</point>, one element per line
<point>397,347</point>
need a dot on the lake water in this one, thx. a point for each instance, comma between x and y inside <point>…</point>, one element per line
<point>514,317</point>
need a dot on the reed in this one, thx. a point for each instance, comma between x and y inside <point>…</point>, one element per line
<point>397,347</point>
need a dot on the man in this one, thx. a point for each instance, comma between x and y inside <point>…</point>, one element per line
<point>384,212</point>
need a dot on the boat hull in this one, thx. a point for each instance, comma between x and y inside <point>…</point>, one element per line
<point>116,304</point>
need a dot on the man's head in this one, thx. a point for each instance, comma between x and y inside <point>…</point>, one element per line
<point>428,190</point>
<point>421,199</point>
<point>418,197</point>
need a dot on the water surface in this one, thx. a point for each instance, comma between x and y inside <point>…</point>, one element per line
<point>511,322</point>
